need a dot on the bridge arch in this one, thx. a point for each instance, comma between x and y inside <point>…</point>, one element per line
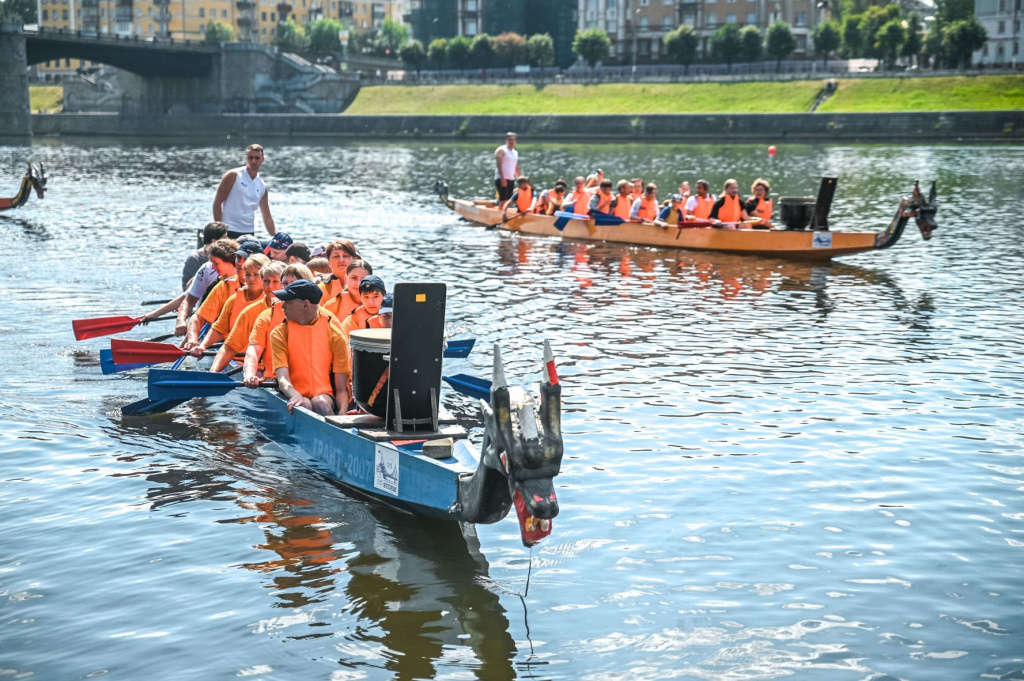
<point>165,59</point>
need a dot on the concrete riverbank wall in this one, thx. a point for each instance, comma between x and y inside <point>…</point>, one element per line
<point>898,127</point>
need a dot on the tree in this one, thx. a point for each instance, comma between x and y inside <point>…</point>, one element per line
<point>19,11</point>
<point>827,38</point>
<point>933,45</point>
<point>412,54</point>
<point>889,40</point>
<point>512,48</point>
<point>871,22</point>
<point>592,45</point>
<point>323,35</point>
<point>961,38</point>
<point>482,51</point>
<point>948,11</point>
<point>541,50</point>
<point>779,43</point>
<point>290,36</point>
<point>681,45</point>
<point>915,41</point>
<point>390,37</point>
<point>751,43</point>
<point>437,50</point>
<point>853,39</point>
<point>725,44</point>
<point>458,50</point>
<point>216,32</point>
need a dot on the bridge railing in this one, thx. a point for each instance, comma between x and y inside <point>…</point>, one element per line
<point>154,41</point>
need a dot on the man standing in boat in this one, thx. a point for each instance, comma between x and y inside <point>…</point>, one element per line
<point>240,193</point>
<point>506,159</point>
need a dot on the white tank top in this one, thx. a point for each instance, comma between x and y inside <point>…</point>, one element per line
<point>243,201</point>
<point>508,163</point>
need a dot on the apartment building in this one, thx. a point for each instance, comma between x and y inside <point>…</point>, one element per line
<point>1001,19</point>
<point>252,20</point>
<point>638,27</point>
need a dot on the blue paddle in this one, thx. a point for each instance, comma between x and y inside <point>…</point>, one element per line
<point>169,384</point>
<point>148,406</point>
<point>460,348</point>
<point>470,386</point>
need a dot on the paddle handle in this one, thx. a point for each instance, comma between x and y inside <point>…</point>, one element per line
<point>156,319</point>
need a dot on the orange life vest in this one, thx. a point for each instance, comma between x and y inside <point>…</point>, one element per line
<point>581,203</point>
<point>648,209</point>
<point>702,211</point>
<point>731,210</point>
<point>309,356</point>
<point>604,202</point>
<point>622,206</point>
<point>764,209</point>
<point>524,199</point>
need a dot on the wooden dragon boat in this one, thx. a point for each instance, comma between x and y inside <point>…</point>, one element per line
<point>407,451</point>
<point>35,178</point>
<point>805,234</point>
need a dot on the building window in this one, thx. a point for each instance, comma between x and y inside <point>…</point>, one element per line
<point>645,48</point>
<point>64,14</point>
<point>202,28</point>
<point>666,23</point>
<point>223,14</point>
<point>1016,49</point>
<point>667,2</point>
<point>801,43</point>
<point>67,63</point>
<point>730,18</point>
<point>801,19</point>
<point>613,26</point>
<point>202,12</point>
<point>712,20</point>
<point>46,15</point>
<point>984,50</point>
<point>690,20</point>
<point>471,27</point>
<point>1002,6</point>
<point>1002,27</point>
<point>263,16</point>
<point>752,18</point>
<point>644,23</point>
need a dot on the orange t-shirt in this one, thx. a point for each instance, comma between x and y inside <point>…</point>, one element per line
<point>241,329</point>
<point>360,319</point>
<point>211,307</point>
<point>338,300</point>
<point>267,321</point>
<point>229,312</point>
<point>312,353</point>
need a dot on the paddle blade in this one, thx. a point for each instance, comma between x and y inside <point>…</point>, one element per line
<point>471,386</point>
<point>148,406</point>
<point>604,219</point>
<point>102,326</point>
<point>108,366</point>
<point>129,351</point>
<point>458,349</point>
<point>168,384</point>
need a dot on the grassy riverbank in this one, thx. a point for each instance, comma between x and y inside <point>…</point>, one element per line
<point>979,93</point>
<point>46,98</point>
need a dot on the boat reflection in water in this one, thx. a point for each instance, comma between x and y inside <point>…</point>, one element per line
<point>388,589</point>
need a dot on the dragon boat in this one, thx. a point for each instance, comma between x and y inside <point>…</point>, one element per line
<point>406,450</point>
<point>34,179</point>
<point>805,232</point>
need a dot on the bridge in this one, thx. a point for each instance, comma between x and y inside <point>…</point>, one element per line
<point>167,77</point>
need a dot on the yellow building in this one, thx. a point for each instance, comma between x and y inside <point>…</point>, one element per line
<point>251,20</point>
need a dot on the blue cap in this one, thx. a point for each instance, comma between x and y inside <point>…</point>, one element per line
<point>280,242</point>
<point>248,248</point>
<point>371,282</point>
<point>300,289</point>
<point>387,306</point>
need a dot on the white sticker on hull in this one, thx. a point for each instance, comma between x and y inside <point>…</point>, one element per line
<point>385,469</point>
<point>821,240</point>
<point>472,210</point>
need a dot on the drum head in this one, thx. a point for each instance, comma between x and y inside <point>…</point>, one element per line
<point>373,340</point>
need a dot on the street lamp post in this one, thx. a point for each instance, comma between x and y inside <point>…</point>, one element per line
<point>636,33</point>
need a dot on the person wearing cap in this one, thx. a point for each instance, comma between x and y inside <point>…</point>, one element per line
<point>297,252</point>
<point>522,199</point>
<point>236,342</point>
<point>506,159</point>
<point>601,201</point>
<point>318,251</point>
<point>278,246</point>
<point>673,213</point>
<point>311,356</point>
<point>371,294</point>
<point>199,257</point>
<point>342,304</point>
<point>386,312</point>
<point>240,193</point>
<point>211,306</point>
<point>245,295</point>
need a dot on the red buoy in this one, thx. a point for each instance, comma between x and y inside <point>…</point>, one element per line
<point>771,150</point>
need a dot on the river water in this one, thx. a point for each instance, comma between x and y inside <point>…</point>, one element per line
<point>773,469</point>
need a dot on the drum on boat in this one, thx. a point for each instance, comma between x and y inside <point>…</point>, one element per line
<point>370,363</point>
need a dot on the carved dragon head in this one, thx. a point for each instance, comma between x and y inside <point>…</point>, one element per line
<point>37,174</point>
<point>925,211</point>
<point>441,187</point>
<point>524,443</point>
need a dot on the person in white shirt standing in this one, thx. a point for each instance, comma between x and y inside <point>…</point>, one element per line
<point>240,193</point>
<point>507,160</point>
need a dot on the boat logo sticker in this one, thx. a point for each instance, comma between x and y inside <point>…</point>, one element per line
<point>385,469</point>
<point>821,240</point>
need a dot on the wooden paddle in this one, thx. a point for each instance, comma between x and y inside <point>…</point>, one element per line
<point>471,386</point>
<point>505,221</point>
<point>147,352</point>
<point>148,303</point>
<point>168,384</point>
<point>106,326</point>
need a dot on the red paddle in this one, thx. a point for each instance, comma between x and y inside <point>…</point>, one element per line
<point>146,352</point>
<point>106,326</point>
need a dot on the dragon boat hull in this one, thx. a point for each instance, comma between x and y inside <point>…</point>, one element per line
<point>808,244</point>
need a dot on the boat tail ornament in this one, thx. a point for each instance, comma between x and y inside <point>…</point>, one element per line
<point>520,456</point>
<point>914,206</point>
<point>441,187</point>
<point>34,179</point>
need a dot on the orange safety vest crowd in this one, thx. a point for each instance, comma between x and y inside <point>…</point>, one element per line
<point>634,201</point>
